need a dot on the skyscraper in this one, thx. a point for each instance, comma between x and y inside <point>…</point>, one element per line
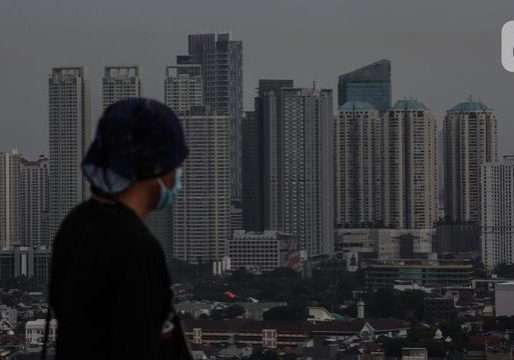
<point>70,128</point>
<point>183,87</point>
<point>9,182</point>
<point>358,160</point>
<point>252,181</point>
<point>307,182</point>
<point>497,212</point>
<point>201,214</point>
<point>371,84</point>
<point>410,166</point>
<point>222,72</point>
<point>33,202</point>
<point>270,127</point>
<point>120,82</point>
<point>471,139</point>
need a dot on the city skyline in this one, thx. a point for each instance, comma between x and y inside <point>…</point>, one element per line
<point>440,66</point>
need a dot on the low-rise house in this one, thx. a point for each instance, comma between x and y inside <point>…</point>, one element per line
<point>278,334</point>
<point>35,331</point>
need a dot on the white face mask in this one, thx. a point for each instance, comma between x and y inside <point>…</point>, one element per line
<point>168,196</point>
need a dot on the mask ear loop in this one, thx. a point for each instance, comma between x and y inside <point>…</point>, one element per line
<point>159,180</point>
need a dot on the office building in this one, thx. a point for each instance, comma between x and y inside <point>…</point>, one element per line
<point>70,129</point>
<point>306,188</point>
<point>221,60</point>
<point>24,261</point>
<point>371,84</point>
<point>263,251</point>
<point>410,166</point>
<point>9,210</point>
<point>429,273</point>
<point>358,159</point>
<point>202,214</point>
<point>120,82</point>
<point>497,212</point>
<point>471,139</point>
<point>384,243</point>
<point>183,86</point>
<point>33,202</point>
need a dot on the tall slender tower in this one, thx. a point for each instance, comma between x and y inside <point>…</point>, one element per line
<point>269,133</point>
<point>70,128</point>
<point>307,182</point>
<point>371,84</point>
<point>201,214</point>
<point>9,210</point>
<point>33,202</point>
<point>358,154</point>
<point>120,82</point>
<point>497,212</point>
<point>410,166</point>
<point>222,72</point>
<point>471,139</point>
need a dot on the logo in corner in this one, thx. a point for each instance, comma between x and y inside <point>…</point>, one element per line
<point>508,46</point>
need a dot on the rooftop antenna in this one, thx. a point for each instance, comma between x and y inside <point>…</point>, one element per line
<point>314,85</point>
<point>470,98</point>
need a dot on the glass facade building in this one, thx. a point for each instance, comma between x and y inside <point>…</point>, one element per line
<point>371,84</point>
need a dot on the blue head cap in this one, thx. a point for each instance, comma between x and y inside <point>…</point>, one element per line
<point>136,139</point>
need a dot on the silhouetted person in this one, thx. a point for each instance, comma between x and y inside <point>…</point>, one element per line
<point>109,287</point>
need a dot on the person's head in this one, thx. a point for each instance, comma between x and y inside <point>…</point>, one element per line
<point>136,155</point>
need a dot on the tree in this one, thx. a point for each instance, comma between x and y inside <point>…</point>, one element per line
<point>231,312</point>
<point>286,313</point>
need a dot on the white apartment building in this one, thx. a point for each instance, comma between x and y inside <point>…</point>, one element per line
<point>70,129</point>
<point>120,82</point>
<point>9,211</point>
<point>471,139</point>
<point>410,166</point>
<point>497,212</point>
<point>33,202</point>
<point>201,214</point>
<point>358,158</point>
<point>307,188</point>
<point>265,251</point>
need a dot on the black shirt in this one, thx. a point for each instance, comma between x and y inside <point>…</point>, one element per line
<point>110,288</point>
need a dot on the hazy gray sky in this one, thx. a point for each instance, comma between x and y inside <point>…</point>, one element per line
<point>441,50</point>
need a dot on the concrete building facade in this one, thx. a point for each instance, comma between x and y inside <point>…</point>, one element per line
<point>471,139</point>
<point>265,251</point>
<point>201,214</point>
<point>70,131</point>
<point>410,166</point>
<point>183,86</point>
<point>221,59</point>
<point>358,160</point>
<point>9,210</point>
<point>34,202</point>
<point>497,212</point>
<point>307,183</point>
<point>120,82</point>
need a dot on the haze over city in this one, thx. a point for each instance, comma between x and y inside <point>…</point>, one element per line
<point>441,51</point>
